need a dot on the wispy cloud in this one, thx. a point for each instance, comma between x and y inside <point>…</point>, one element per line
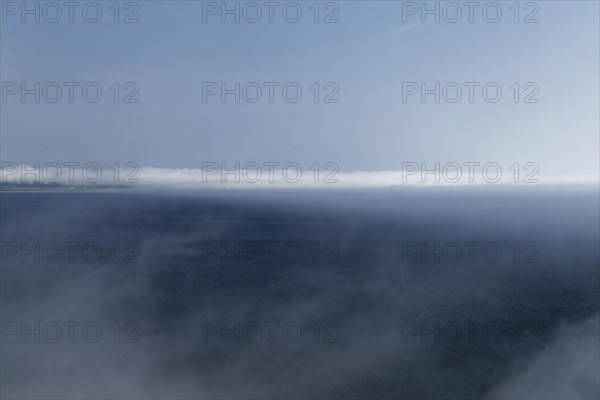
<point>406,28</point>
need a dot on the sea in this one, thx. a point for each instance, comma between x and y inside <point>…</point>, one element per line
<point>421,293</point>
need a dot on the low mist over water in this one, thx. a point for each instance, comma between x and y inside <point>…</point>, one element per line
<point>299,200</point>
<point>413,294</point>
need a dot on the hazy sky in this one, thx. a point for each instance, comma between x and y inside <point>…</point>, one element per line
<point>367,54</point>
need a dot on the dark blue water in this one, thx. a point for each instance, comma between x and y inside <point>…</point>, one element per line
<point>342,294</point>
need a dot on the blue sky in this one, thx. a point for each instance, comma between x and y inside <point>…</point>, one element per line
<point>368,54</point>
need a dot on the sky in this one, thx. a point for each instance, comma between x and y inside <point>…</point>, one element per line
<point>364,60</point>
